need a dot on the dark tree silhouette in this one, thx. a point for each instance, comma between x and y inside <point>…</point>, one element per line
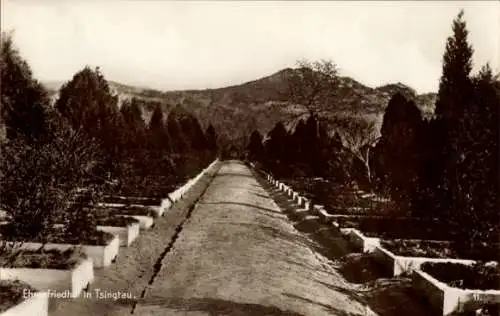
<point>398,149</point>
<point>88,104</point>
<point>276,145</point>
<point>255,148</point>
<point>455,87</point>
<point>461,146</point>
<point>134,127</point>
<point>23,99</point>
<point>211,138</point>
<point>158,135</point>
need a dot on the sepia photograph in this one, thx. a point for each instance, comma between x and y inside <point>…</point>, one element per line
<point>249,158</point>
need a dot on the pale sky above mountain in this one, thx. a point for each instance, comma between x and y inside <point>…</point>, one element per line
<point>195,45</point>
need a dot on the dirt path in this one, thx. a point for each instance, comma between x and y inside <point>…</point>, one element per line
<point>239,254</point>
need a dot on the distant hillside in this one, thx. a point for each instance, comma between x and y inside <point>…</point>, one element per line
<point>236,111</point>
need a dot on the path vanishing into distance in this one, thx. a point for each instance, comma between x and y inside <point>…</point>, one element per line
<point>228,248</point>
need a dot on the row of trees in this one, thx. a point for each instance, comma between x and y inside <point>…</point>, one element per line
<point>445,167</point>
<point>83,146</point>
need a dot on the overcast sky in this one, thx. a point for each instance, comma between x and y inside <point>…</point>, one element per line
<point>178,45</point>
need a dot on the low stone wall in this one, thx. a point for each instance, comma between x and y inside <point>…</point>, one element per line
<point>323,214</point>
<point>180,192</point>
<point>126,234</point>
<point>74,280</point>
<point>361,242</point>
<point>398,265</point>
<point>102,256</point>
<point>37,304</point>
<point>166,204</point>
<point>145,222</point>
<point>448,300</point>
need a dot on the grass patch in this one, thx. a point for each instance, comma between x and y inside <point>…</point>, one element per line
<point>476,277</point>
<point>11,293</point>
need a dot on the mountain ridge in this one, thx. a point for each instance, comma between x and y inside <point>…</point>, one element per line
<point>237,110</point>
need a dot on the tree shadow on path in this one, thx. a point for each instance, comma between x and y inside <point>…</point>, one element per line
<point>332,310</point>
<point>217,307</point>
<point>268,210</point>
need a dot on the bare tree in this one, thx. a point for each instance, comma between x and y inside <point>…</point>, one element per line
<point>312,85</point>
<point>358,137</point>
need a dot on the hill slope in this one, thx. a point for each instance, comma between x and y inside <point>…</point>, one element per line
<point>236,111</point>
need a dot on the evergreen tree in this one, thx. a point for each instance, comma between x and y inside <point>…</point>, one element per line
<point>159,140</point>
<point>134,125</point>
<point>24,101</point>
<point>299,139</point>
<point>178,142</point>
<point>276,145</point>
<point>191,129</point>
<point>255,148</point>
<point>455,87</point>
<point>460,177</point>
<point>478,163</point>
<point>443,142</point>
<point>88,104</point>
<point>211,138</point>
<point>398,148</point>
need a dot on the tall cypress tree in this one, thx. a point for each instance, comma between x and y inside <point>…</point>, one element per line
<point>211,137</point>
<point>134,125</point>
<point>455,87</point>
<point>178,143</point>
<point>255,148</point>
<point>445,147</point>
<point>398,148</point>
<point>276,145</point>
<point>157,131</point>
